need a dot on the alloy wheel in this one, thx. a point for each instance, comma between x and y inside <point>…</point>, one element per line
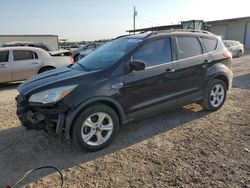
<point>97,129</point>
<point>217,95</point>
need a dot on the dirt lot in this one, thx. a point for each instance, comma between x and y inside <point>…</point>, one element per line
<point>188,147</point>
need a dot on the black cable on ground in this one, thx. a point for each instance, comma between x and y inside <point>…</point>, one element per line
<point>36,169</point>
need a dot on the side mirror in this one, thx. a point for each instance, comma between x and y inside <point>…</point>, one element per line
<point>137,65</point>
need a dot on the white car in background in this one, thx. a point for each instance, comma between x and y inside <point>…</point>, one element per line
<point>20,63</point>
<point>52,52</point>
<point>235,47</point>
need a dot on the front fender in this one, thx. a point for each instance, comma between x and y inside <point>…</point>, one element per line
<point>73,113</point>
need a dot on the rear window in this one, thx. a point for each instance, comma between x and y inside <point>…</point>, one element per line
<point>4,56</point>
<point>209,44</point>
<point>188,47</point>
<point>22,55</point>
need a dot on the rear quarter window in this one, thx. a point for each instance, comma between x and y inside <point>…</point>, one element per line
<point>4,56</point>
<point>22,55</point>
<point>188,47</point>
<point>209,44</point>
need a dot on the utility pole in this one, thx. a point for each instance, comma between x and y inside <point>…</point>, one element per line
<point>135,14</point>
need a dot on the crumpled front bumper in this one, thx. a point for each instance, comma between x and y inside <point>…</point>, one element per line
<point>49,119</point>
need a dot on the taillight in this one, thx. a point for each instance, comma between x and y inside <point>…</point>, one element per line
<point>71,60</point>
<point>227,54</point>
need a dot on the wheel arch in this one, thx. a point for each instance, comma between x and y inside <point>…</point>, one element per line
<point>223,78</point>
<point>112,103</point>
<point>221,72</point>
<point>44,67</point>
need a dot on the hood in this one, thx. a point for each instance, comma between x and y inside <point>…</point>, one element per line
<point>51,79</point>
<point>59,52</point>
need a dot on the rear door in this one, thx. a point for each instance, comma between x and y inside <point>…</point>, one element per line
<point>5,73</point>
<point>191,65</point>
<point>153,86</point>
<point>25,63</point>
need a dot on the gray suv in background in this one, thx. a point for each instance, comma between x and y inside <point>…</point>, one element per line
<point>84,50</point>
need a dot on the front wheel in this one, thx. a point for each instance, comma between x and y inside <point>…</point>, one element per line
<point>215,95</point>
<point>95,128</point>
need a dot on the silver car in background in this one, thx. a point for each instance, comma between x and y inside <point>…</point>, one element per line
<point>51,51</point>
<point>20,63</point>
<point>235,47</point>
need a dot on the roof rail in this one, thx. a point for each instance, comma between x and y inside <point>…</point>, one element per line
<point>178,30</point>
<point>191,30</point>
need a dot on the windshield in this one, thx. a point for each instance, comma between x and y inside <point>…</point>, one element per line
<point>107,54</point>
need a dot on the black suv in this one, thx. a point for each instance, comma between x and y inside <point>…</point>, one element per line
<point>128,78</point>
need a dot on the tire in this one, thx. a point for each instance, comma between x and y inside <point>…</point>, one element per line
<point>239,54</point>
<point>216,91</point>
<point>44,69</point>
<point>91,133</point>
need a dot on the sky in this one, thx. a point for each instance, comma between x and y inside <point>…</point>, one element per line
<point>78,20</point>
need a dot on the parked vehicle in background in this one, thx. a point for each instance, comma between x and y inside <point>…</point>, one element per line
<point>126,79</point>
<point>85,50</point>
<point>20,63</point>
<point>52,52</point>
<point>235,47</point>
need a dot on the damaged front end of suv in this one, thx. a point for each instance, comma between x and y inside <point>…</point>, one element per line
<point>46,101</point>
<point>42,111</point>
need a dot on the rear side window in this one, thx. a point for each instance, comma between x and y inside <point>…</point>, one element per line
<point>22,55</point>
<point>188,47</point>
<point>4,56</point>
<point>155,53</point>
<point>209,44</point>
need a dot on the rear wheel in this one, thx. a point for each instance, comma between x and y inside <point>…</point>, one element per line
<point>239,53</point>
<point>215,95</point>
<point>95,128</point>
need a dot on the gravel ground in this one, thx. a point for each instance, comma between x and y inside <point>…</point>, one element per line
<point>189,147</point>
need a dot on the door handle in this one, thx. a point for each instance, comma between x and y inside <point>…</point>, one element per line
<point>170,70</point>
<point>35,63</point>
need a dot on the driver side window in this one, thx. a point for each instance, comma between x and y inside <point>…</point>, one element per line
<point>155,53</point>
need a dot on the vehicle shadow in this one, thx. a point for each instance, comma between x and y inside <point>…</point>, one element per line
<point>9,86</point>
<point>242,81</point>
<point>23,150</point>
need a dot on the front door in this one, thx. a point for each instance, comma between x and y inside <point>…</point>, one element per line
<point>153,86</point>
<point>5,73</point>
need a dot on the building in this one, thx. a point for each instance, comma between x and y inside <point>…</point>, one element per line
<point>233,29</point>
<point>229,29</point>
<point>50,40</point>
